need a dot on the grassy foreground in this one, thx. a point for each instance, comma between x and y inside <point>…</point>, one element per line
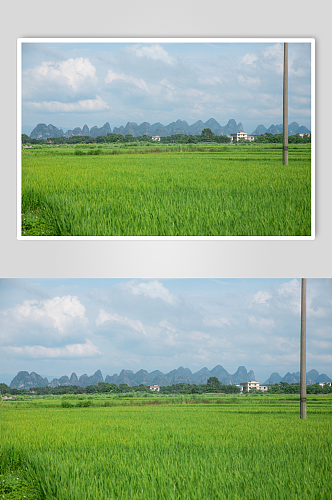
<point>215,191</point>
<point>228,448</point>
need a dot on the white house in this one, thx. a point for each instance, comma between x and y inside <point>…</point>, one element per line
<point>156,138</point>
<point>154,388</point>
<point>239,135</point>
<point>252,384</point>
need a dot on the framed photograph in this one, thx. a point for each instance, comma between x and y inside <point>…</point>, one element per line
<point>166,138</point>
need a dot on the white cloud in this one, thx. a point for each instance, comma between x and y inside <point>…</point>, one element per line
<point>103,317</point>
<point>165,324</point>
<point>262,322</point>
<point>73,72</point>
<point>84,106</point>
<point>249,59</point>
<point>138,82</point>
<point>166,87</point>
<point>212,80</point>
<point>300,99</point>
<point>154,52</point>
<point>60,311</point>
<point>320,359</point>
<point>87,350</point>
<point>195,93</point>
<point>284,360</point>
<point>273,55</point>
<point>262,297</point>
<point>248,80</point>
<point>220,322</point>
<point>152,289</point>
<point>322,344</point>
<point>273,51</point>
<point>306,113</point>
<point>290,289</point>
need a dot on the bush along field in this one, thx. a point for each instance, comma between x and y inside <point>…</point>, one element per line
<point>196,447</point>
<point>185,190</point>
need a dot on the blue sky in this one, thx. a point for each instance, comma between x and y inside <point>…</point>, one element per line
<point>57,326</point>
<point>73,84</point>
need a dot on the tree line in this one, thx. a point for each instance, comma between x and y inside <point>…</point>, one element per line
<point>213,385</point>
<point>206,136</point>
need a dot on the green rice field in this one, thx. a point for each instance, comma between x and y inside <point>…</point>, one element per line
<point>198,447</point>
<point>166,191</point>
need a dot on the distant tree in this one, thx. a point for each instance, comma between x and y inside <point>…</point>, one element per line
<point>4,389</point>
<point>213,381</point>
<point>207,133</point>
<point>25,139</point>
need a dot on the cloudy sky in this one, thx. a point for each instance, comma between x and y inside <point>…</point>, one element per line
<point>73,84</point>
<point>57,326</point>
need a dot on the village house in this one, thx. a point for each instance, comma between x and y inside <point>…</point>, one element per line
<point>154,388</point>
<point>156,138</point>
<point>239,135</point>
<point>252,384</point>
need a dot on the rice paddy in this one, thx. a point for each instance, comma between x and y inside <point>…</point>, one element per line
<point>191,448</point>
<point>183,191</point>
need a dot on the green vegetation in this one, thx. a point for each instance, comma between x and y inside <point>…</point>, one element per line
<point>206,136</point>
<point>230,447</point>
<point>188,190</point>
<point>213,385</point>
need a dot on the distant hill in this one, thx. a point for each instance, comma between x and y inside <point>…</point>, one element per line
<point>293,129</point>
<point>24,380</point>
<point>313,377</point>
<point>43,131</point>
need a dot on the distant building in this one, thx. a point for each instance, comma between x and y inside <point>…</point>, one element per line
<point>324,383</point>
<point>154,388</point>
<point>238,385</point>
<point>302,135</point>
<point>250,138</point>
<point>156,138</point>
<point>252,384</point>
<point>239,135</point>
<point>263,388</point>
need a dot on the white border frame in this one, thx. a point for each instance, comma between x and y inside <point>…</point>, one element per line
<point>20,41</point>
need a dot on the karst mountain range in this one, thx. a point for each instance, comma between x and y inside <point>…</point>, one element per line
<point>43,131</point>
<point>24,380</point>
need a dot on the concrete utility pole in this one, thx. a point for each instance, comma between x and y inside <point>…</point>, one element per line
<point>303,386</point>
<point>285,107</point>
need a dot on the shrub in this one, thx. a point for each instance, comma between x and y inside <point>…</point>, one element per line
<point>66,404</point>
<point>84,404</point>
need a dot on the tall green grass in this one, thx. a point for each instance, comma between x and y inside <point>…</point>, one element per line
<point>236,192</point>
<point>185,451</point>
